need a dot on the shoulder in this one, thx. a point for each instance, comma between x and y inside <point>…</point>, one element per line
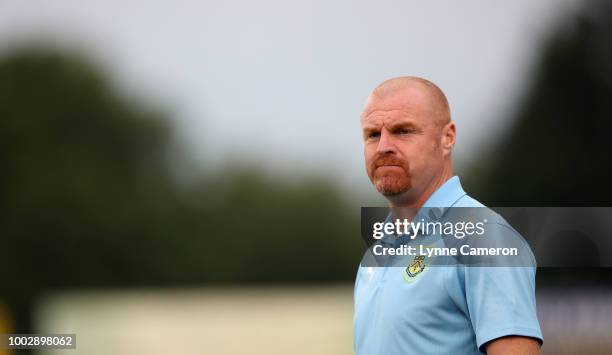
<point>478,209</point>
<point>497,232</point>
<point>468,201</point>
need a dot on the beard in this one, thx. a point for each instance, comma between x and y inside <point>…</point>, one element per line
<point>390,175</point>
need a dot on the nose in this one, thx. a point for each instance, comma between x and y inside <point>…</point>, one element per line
<point>385,143</point>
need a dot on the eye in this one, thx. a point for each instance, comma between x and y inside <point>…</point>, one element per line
<point>373,135</point>
<point>404,130</point>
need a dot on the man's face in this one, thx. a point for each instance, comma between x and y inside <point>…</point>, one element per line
<point>402,142</point>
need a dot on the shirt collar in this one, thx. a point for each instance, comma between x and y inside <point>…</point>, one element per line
<point>446,195</point>
<point>438,203</point>
<point>441,200</point>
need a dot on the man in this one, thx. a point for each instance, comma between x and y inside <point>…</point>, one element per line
<point>408,139</point>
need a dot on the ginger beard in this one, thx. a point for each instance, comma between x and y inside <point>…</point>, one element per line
<point>390,175</point>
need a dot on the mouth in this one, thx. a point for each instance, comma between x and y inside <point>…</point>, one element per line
<point>389,169</point>
<point>388,166</point>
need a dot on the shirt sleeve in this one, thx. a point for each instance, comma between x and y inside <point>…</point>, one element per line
<point>501,301</point>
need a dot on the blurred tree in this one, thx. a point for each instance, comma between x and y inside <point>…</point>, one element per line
<point>557,152</point>
<point>83,175</point>
<point>89,199</point>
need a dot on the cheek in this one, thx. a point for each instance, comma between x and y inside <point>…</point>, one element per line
<point>417,154</point>
<point>427,158</point>
<point>369,152</point>
<point>409,151</point>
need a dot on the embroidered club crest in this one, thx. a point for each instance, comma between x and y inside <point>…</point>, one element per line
<point>416,267</point>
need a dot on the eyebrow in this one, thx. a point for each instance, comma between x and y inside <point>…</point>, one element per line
<point>369,128</point>
<point>412,125</point>
<point>368,125</point>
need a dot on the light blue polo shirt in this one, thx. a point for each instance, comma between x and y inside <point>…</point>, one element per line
<point>444,309</point>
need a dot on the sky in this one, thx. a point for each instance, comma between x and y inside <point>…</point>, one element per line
<point>281,84</point>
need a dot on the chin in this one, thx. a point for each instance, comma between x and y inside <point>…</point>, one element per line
<point>393,193</point>
<point>392,189</point>
<point>390,185</point>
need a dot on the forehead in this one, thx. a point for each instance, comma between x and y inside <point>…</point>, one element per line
<point>410,104</point>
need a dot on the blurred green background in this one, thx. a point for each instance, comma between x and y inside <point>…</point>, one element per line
<point>102,208</point>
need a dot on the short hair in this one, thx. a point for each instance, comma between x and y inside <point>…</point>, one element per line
<point>394,85</point>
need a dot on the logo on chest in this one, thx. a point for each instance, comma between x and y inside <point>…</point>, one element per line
<point>415,268</point>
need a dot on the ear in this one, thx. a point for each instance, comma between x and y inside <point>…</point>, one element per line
<point>449,134</point>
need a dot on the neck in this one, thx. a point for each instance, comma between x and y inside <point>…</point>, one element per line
<point>415,204</point>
